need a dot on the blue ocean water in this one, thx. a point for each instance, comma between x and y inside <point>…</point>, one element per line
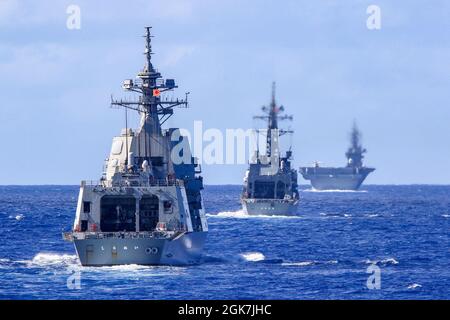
<point>323,253</point>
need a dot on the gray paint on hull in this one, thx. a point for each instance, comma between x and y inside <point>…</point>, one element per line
<point>335,178</point>
<point>269,207</point>
<point>184,250</point>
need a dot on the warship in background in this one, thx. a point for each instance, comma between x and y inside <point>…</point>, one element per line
<point>270,183</point>
<point>345,178</point>
<point>146,209</point>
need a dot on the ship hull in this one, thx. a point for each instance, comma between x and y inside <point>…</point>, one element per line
<point>270,207</point>
<point>183,250</point>
<point>336,178</point>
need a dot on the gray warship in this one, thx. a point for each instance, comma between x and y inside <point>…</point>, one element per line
<point>345,178</point>
<point>147,208</point>
<point>270,183</point>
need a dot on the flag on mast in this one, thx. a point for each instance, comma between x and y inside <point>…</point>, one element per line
<point>156,92</point>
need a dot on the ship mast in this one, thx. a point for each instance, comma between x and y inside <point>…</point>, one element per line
<point>355,152</point>
<point>150,85</point>
<point>272,117</point>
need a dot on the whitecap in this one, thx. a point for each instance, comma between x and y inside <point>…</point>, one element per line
<point>230,214</point>
<point>335,215</point>
<point>4,263</point>
<point>123,267</point>
<point>252,256</point>
<point>308,263</point>
<point>414,286</point>
<point>298,264</point>
<point>43,259</point>
<point>240,214</point>
<point>387,261</point>
<point>18,217</point>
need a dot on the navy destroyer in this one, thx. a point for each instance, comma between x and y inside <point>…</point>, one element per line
<point>147,208</point>
<point>270,183</point>
<point>345,178</point>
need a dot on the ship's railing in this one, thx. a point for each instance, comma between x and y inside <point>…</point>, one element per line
<point>70,236</point>
<point>133,183</point>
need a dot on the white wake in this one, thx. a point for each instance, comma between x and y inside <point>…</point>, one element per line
<point>387,261</point>
<point>44,259</point>
<point>253,256</point>
<point>240,214</point>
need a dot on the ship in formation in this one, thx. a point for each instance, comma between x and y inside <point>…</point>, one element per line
<point>349,177</point>
<point>147,208</point>
<point>270,183</point>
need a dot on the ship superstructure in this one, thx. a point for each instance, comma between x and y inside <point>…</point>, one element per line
<point>270,183</point>
<point>147,208</point>
<point>349,177</point>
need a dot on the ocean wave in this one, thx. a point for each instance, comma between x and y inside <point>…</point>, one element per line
<point>17,217</point>
<point>44,259</point>
<point>123,267</point>
<point>335,215</point>
<point>414,286</point>
<point>446,215</point>
<point>253,256</point>
<point>58,261</point>
<point>213,259</point>
<point>385,262</point>
<point>240,214</point>
<point>298,264</point>
<point>4,263</point>
<point>308,263</point>
<point>132,271</point>
<point>242,257</point>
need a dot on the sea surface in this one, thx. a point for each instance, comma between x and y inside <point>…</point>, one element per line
<point>329,250</point>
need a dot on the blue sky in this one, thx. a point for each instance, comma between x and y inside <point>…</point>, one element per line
<point>56,124</point>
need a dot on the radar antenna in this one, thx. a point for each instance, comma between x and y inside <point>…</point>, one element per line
<point>150,85</point>
<point>272,116</point>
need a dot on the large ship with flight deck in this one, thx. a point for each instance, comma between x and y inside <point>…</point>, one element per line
<point>349,177</point>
